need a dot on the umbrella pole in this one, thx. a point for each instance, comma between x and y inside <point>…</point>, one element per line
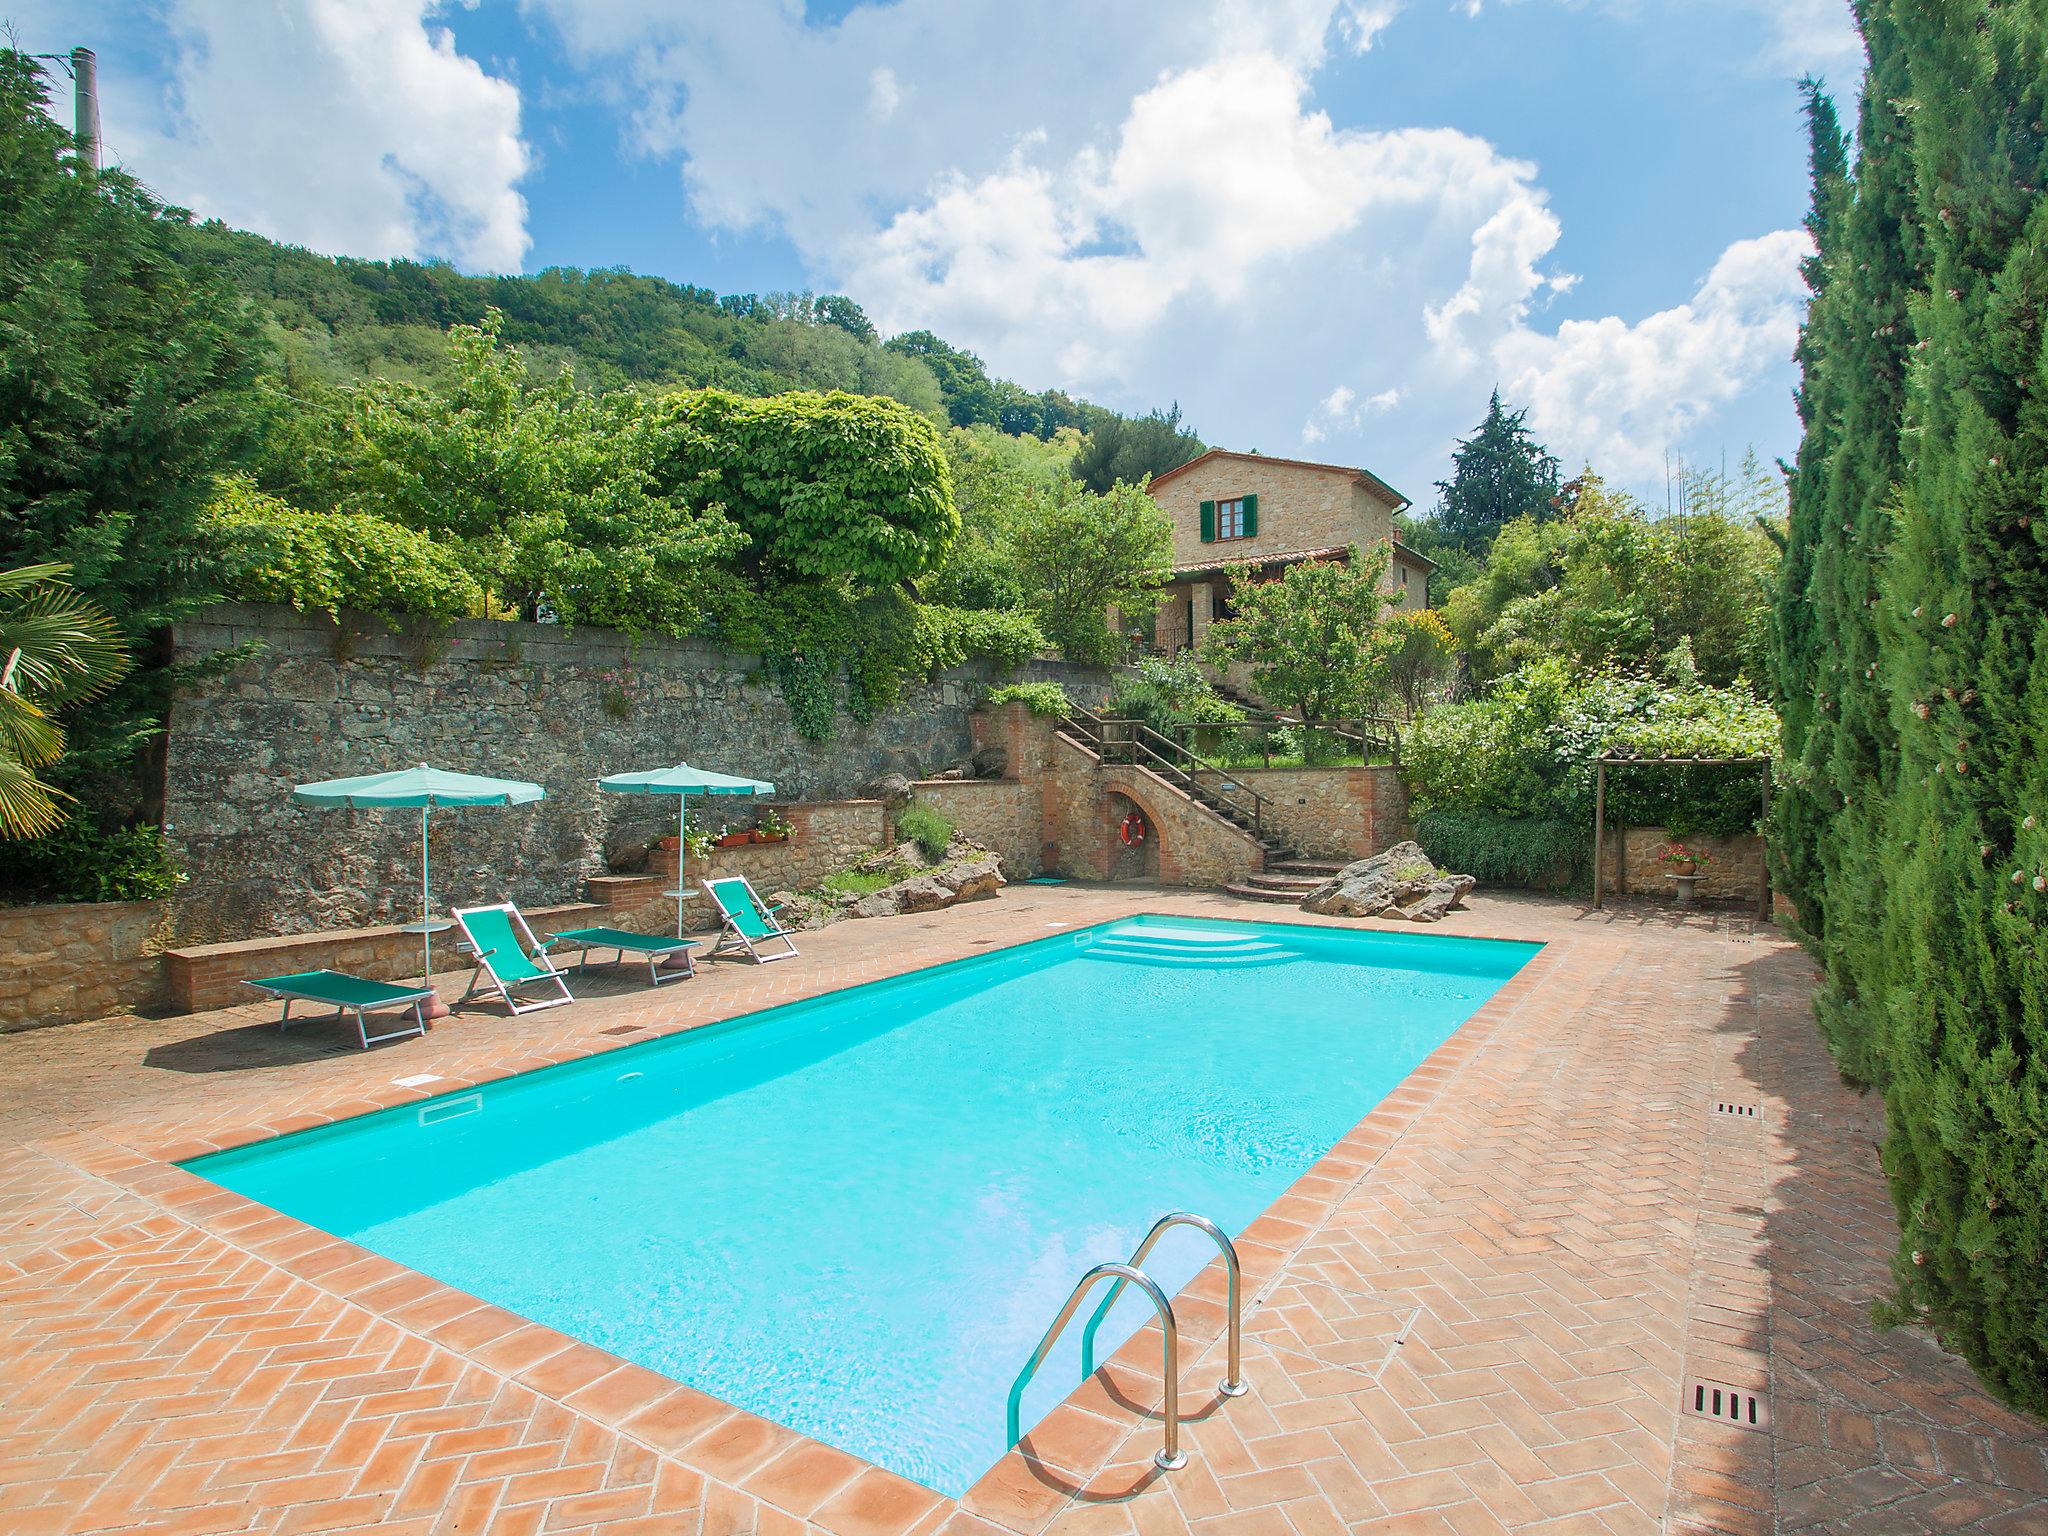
<point>433,1008</point>
<point>682,856</point>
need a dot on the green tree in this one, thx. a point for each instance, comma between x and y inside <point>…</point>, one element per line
<point>1309,637</point>
<point>56,651</point>
<point>972,399</point>
<point>1498,474</point>
<point>1130,449</point>
<point>1078,555</point>
<point>548,492</point>
<point>124,385</point>
<point>825,486</point>
<point>1607,587</point>
<point>995,478</point>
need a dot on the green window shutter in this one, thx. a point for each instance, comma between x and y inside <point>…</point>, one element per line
<point>1208,522</point>
<point>1251,516</point>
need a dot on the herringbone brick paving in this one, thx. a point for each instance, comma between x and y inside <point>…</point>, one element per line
<point>1474,1315</point>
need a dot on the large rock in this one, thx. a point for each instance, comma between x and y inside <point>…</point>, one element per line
<point>972,879</point>
<point>923,894</point>
<point>1402,882</point>
<point>990,763</point>
<point>892,787</point>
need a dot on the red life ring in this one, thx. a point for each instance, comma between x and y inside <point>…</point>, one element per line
<point>1133,830</point>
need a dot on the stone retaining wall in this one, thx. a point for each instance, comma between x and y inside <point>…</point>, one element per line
<point>1000,814</point>
<point>822,838</point>
<point>313,699</point>
<point>69,961</point>
<point>1736,873</point>
<point>1349,813</point>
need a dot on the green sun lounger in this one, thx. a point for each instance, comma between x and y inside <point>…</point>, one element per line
<point>509,959</point>
<point>748,922</point>
<point>654,950</point>
<point>346,995</point>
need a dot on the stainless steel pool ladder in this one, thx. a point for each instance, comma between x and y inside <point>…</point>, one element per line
<point>1169,1457</point>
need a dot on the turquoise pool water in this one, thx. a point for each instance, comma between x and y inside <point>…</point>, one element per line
<point>856,1215</point>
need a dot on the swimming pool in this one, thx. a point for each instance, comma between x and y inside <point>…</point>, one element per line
<point>855,1215</point>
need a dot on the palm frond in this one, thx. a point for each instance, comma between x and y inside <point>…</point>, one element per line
<point>28,806</point>
<point>26,733</point>
<point>69,648</point>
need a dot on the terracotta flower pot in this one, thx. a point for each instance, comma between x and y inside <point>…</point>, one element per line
<point>734,840</point>
<point>1685,866</point>
<point>669,844</point>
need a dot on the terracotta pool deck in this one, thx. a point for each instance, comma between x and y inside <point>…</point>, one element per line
<point>1478,1313</point>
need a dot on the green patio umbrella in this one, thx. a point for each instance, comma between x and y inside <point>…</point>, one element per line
<point>682,781</point>
<point>423,788</point>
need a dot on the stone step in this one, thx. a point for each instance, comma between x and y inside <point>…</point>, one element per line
<point>1274,880</point>
<point>1264,893</point>
<point>1322,869</point>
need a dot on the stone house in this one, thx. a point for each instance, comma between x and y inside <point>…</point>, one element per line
<point>1235,513</point>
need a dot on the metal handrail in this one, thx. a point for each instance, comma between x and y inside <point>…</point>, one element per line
<point>1366,733</point>
<point>1135,733</point>
<point>1169,1457</point>
<point>1233,1375</point>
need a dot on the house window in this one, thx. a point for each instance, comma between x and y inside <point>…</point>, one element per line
<point>1230,519</point>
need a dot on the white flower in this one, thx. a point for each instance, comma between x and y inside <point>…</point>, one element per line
<point>1948,621</point>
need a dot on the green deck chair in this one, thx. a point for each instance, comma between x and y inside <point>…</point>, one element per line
<point>346,995</point>
<point>509,958</point>
<point>748,922</point>
<point>657,951</point>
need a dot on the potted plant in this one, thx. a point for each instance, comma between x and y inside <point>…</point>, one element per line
<point>773,826</point>
<point>697,843</point>
<point>727,838</point>
<point>1684,861</point>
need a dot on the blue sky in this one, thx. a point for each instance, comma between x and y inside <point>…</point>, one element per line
<point>1326,227</point>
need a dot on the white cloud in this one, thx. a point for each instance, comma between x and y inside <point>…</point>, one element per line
<point>1342,411</point>
<point>349,126</point>
<point>1360,22</point>
<point>1619,394</point>
<point>884,94</point>
<point>1799,34</point>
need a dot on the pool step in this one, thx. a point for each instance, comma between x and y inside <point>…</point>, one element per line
<point>1231,951</point>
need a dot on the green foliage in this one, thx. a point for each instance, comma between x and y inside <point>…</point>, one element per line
<point>56,651</point>
<point>273,552</point>
<point>1309,635</point>
<point>1531,852</point>
<point>863,882</point>
<point>1498,474</point>
<point>124,386</point>
<point>948,637</point>
<point>825,486</point>
<point>1413,653</point>
<point>1528,748</point>
<point>1168,692</point>
<point>995,478</point>
<point>1048,699</point>
<point>1607,587</point>
<point>1911,654</point>
<point>931,830</point>
<point>545,491</point>
<point>1078,554</point>
<point>79,862</point>
<point>1131,449</point>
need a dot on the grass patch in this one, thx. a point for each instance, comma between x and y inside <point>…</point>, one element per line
<point>862,882</point>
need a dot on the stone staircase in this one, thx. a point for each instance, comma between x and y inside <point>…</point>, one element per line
<point>1284,880</point>
<point>1208,787</point>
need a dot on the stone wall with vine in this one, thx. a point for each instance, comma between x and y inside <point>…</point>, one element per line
<point>312,698</point>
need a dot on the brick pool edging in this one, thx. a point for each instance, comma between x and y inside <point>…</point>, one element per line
<point>1060,1461</point>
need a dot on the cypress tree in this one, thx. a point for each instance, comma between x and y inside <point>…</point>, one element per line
<point>1963,1033</point>
<point>1800,812</point>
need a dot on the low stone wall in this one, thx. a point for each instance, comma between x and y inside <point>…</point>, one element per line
<point>1001,814</point>
<point>822,838</point>
<point>198,977</point>
<point>1735,873</point>
<point>1349,813</point>
<point>65,962</point>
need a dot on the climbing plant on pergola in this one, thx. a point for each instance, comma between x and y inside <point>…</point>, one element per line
<point>1616,759</point>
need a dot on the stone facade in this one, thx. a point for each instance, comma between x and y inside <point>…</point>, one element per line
<point>65,962</point>
<point>1002,815</point>
<point>1736,873</point>
<point>1304,510</point>
<point>1349,813</point>
<point>314,700</point>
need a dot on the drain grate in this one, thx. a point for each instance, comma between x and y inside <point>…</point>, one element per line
<point>1724,1404</point>
<point>625,1029</point>
<point>1742,1111</point>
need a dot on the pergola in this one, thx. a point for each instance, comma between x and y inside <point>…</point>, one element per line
<point>1762,764</point>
